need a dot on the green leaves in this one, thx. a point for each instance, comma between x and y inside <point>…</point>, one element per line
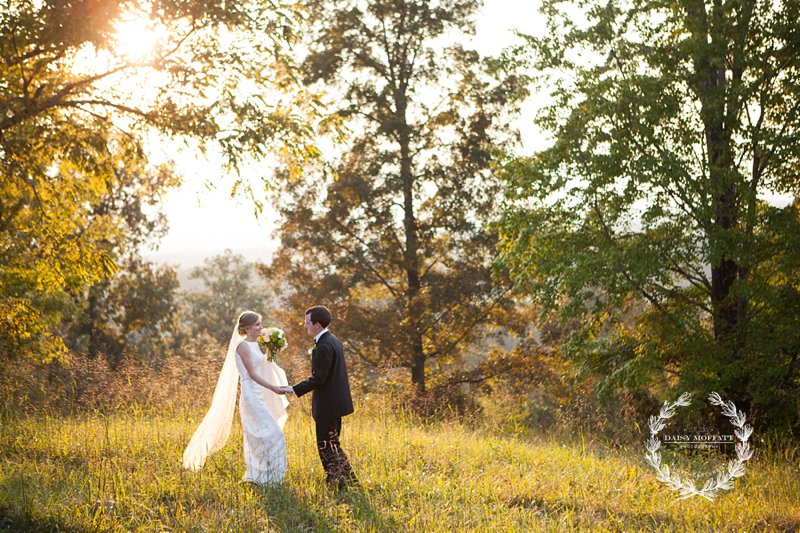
<point>666,119</point>
<point>76,112</point>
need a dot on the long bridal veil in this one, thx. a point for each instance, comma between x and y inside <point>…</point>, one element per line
<point>214,430</point>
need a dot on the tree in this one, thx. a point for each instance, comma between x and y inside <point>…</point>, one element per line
<point>98,320</point>
<point>395,240</point>
<point>62,234</point>
<point>75,112</point>
<point>230,286</point>
<point>133,313</point>
<point>672,124</point>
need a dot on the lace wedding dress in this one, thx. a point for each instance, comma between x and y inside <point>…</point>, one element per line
<point>263,415</point>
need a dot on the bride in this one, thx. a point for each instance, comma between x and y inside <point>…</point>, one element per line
<point>263,413</point>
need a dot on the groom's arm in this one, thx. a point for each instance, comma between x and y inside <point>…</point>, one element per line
<point>320,368</point>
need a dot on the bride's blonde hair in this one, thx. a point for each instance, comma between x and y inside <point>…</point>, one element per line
<point>247,319</point>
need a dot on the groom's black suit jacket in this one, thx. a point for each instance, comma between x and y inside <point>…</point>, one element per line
<point>331,398</point>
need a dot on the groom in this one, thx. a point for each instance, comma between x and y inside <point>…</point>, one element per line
<point>331,398</point>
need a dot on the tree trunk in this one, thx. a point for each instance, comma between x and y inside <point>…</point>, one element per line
<point>418,367</point>
<point>725,271</point>
<point>93,310</point>
<point>723,305</point>
<point>709,63</point>
<point>412,246</point>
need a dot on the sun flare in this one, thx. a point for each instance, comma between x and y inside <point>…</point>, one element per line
<point>136,38</point>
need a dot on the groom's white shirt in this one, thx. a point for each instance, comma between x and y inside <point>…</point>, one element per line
<point>320,334</point>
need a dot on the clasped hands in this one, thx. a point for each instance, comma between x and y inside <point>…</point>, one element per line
<point>285,390</point>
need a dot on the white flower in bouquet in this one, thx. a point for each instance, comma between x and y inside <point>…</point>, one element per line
<point>271,341</point>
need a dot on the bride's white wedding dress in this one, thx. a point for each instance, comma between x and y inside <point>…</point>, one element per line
<point>263,415</point>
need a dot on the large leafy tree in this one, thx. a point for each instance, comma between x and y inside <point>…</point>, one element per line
<point>673,124</point>
<point>393,236</point>
<point>75,111</point>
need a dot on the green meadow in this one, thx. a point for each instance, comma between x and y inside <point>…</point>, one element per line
<point>120,471</point>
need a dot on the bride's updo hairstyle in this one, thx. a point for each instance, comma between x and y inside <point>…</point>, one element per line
<point>247,319</point>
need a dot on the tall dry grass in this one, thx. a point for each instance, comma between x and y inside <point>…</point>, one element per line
<point>84,448</point>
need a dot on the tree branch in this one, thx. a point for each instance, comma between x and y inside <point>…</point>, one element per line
<point>366,263</point>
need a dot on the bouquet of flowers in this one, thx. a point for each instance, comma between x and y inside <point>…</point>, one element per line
<point>271,341</point>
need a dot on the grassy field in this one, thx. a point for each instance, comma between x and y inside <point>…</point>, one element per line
<point>121,472</point>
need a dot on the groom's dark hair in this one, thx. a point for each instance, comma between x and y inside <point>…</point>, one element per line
<point>319,315</point>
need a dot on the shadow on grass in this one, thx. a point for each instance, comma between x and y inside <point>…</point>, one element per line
<point>17,511</point>
<point>286,510</point>
<point>290,511</point>
<point>13,521</point>
<point>779,523</point>
<point>358,500</point>
<point>552,509</point>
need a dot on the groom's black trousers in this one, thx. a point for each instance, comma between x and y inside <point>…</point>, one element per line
<point>334,460</point>
<point>328,429</point>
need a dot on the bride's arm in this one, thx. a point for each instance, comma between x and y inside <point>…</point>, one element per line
<point>244,353</point>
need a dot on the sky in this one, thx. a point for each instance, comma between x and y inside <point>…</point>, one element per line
<point>204,222</point>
